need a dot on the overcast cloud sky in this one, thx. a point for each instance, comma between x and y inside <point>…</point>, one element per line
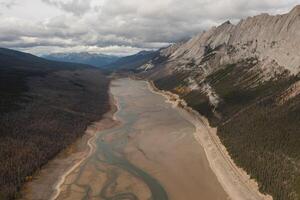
<point>118,27</point>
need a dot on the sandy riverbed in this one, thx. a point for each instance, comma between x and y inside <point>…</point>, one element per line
<point>163,144</point>
<point>149,149</point>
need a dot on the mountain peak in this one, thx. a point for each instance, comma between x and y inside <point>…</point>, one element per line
<point>271,39</point>
<point>296,10</point>
<point>227,23</point>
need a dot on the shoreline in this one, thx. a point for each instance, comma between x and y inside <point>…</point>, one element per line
<point>234,180</point>
<point>68,160</point>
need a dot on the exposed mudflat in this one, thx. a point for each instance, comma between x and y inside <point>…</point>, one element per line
<point>151,153</point>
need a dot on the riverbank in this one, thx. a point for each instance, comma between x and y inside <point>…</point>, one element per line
<point>45,183</point>
<point>235,181</point>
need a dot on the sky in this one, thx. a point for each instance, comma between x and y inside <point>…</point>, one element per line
<point>118,27</point>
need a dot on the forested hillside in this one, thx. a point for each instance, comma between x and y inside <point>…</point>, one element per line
<point>261,134</point>
<point>44,106</point>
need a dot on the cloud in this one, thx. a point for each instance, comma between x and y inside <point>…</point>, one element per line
<point>77,7</point>
<point>124,26</point>
<point>8,3</point>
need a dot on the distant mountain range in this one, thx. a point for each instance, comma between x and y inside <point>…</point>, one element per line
<point>17,60</point>
<point>105,61</point>
<point>133,61</point>
<point>94,59</point>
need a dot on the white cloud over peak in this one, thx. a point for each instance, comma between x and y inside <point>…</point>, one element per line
<point>117,26</point>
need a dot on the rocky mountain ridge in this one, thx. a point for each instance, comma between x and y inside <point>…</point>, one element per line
<point>245,79</point>
<point>273,41</point>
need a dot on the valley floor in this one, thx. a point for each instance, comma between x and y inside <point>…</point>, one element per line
<point>153,152</point>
